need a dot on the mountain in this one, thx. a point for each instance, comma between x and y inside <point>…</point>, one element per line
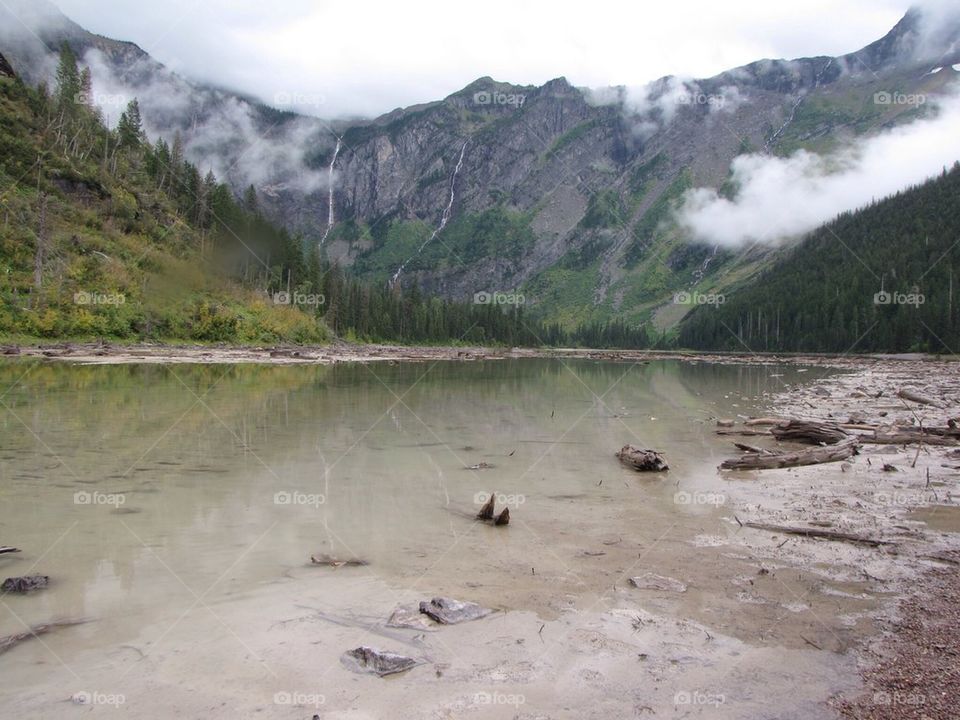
<point>879,279</point>
<point>566,194</point>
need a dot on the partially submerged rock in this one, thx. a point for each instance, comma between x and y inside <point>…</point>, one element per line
<point>503,518</point>
<point>25,584</point>
<point>448,611</point>
<point>642,460</point>
<point>410,617</point>
<point>376,662</point>
<point>650,581</point>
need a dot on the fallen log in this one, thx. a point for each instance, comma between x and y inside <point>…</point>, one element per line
<point>908,394</point>
<point>795,458</point>
<point>9,641</point>
<point>744,432</point>
<point>908,437</point>
<point>819,533</point>
<point>763,421</point>
<point>752,449</point>
<point>809,431</point>
<point>642,460</point>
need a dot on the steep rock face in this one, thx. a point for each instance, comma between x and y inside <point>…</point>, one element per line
<point>5,69</point>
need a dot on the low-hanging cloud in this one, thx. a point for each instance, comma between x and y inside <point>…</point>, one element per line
<point>780,198</point>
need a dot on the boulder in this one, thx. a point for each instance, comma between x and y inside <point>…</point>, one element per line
<point>376,662</point>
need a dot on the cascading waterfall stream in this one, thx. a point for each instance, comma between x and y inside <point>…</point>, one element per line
<point>444,217</point>
<point>701,272</point>
<point>330,219</point>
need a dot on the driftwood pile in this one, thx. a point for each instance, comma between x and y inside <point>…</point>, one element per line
<point>831,444</point>
<point>642,460</point>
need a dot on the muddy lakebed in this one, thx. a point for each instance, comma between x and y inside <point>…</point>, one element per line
<point>176,508</point>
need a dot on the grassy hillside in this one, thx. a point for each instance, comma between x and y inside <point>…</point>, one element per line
<point>104,235</point>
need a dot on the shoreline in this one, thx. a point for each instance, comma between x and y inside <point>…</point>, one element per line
<point>102,353</point>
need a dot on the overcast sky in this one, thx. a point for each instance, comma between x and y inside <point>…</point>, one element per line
<point>357,57</point>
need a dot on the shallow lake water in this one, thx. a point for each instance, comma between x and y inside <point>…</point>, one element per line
<point>176,508</point>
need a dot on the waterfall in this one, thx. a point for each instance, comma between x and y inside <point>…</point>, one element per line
<point>336,151</point>
<point>444,217</point>
<point>701,272</point>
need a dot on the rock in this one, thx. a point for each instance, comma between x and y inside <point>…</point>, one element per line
<point>448,611</point>
<point>27,583</point>
<point>821,391</point>
<point>724,422</point>
<point>377,662</point>
<point>642,460</point>
<point>410,617</point>
<point>650,581</point>
<point>503,518</point>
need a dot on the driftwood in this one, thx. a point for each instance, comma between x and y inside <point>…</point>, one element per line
<point>25,584</point>
<point>324,559</point>
<point>743,431</point>
<point>763,421</point>
<point>908,437</point>
<point>795,458</point>
<point>7,549</point>
<point>642,460</point>
<point>9,641</point>
<point>917,398</point>
<point>809,431</point>
<point>818,533</point>
<point>486,512</point>
<point>753,449</point>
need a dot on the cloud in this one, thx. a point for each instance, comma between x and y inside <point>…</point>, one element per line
<point>650,108</point>
<point>780,198</point>
<point>221,132</point>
